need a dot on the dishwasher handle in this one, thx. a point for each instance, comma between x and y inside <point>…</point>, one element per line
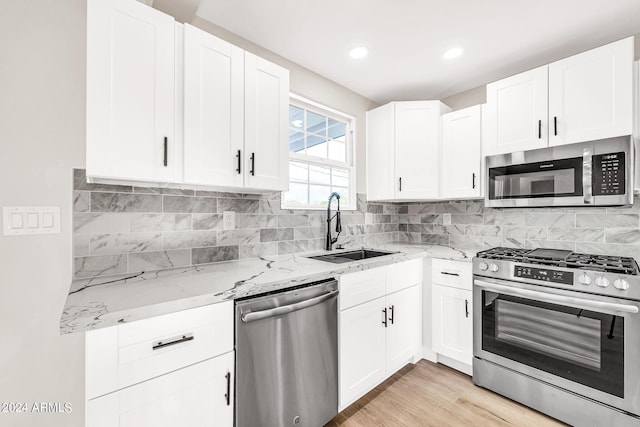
<point>277,311</point>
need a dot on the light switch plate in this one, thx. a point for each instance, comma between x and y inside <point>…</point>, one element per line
<point>368,218</point>
<point>228,220</point>
<point>30,220</point>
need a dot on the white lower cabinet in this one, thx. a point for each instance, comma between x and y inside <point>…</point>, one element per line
<point>452,315</point>
<point>171,370</point>
<point>198,395</point>
<point>379,331</point>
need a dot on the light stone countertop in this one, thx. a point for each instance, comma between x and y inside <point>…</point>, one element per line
<point>107,301</point>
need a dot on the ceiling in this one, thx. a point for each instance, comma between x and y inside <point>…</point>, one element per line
<point>406,38</point>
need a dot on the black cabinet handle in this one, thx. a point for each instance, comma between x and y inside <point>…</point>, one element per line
<point>166,143</point>
<point>555,125</point>
<point>384,322</point>
<point>172,341</point>
<point>539,129</point>
<point>400,184</point>
<point>391,317</point>
<point>473,180</point>
<point>238,156</point>
<point>466,308</point>
<point>227,395</point>
<point>449,274</point>
<point>253,164</point>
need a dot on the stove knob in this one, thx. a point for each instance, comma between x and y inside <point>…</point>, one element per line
<point>584,279</point>
<point>621,284</point>
<point>483,266</point>
<point>602,282</point>
<point>493,267</point>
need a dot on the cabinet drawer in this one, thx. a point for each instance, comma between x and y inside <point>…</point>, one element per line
<point>363,286</point>
<point>456,274</point>
<point>403,275</point>
<point>128,354</point>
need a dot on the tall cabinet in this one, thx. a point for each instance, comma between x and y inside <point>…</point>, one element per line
<point>403,150</point>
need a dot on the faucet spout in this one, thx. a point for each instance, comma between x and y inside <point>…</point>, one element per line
<point>331,240</point>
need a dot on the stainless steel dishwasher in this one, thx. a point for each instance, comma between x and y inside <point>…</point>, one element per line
<point>287,357</point>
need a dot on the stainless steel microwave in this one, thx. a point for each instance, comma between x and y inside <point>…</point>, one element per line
<point>594,173</point>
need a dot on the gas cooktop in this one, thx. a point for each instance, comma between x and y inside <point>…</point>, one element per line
<point>564,259</point>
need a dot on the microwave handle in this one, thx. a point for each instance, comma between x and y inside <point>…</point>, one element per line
<point>587,171</point>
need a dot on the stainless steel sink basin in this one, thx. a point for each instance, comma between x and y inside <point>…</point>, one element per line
<point>349,256</point>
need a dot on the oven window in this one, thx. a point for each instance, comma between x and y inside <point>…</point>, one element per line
<point>582,346</point>
<point>558,178</point>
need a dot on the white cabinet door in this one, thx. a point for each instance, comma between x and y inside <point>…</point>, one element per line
<point>452,323</point>
<point>362,349</point>
<point>517,113</point>
<point>380,153</point>
<point>195,396</point>
<point>266,158</point>
<point>130,92</point>
<point>403,327</point>
<point>417,149</point>
<point>590,94</point>
<point>213,110</point>
<point>461,140</point>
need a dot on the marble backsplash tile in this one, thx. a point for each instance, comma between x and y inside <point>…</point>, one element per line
<point>120,229</point>
<point>598,230</point>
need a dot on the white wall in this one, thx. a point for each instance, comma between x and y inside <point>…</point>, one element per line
<point>42,103</point>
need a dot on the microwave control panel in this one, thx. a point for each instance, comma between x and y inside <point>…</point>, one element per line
<point>609,174</point>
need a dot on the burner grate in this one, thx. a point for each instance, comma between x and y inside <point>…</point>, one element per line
<point>565,259</point>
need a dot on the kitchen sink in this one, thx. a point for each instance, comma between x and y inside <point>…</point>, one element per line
<point>342,257</point>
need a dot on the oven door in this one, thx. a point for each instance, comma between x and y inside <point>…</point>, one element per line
<point>580,342</point>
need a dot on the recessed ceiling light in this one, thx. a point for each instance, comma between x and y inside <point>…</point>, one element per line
<point>452,53</point>
<point>297,123</point>
<point>358,52</point>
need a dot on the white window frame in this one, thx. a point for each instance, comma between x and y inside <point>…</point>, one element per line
<point>350,164</point>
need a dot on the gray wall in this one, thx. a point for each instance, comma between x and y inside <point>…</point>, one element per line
<point>42,125</point>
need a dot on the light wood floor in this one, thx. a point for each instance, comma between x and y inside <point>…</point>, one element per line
<point>430,394</point>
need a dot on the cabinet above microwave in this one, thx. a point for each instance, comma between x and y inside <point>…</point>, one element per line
<point>584,97</point>
<point>595,173</point>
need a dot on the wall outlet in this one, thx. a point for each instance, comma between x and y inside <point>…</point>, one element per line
<point>228,220</point>
<point>368,218</point>
<point>446,219</point>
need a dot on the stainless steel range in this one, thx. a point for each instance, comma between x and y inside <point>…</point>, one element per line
<point>559,332</point>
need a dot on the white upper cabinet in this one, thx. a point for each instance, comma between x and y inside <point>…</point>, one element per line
<point>213,110</point>
<point>584,97</point>
<point>131,84</point>
<point>517,113</point>
<point>235,116</point>
<point>461,160</point>
<point>403,146</point>
<point>591,94</point>
<point>170,103</point>
<point>266,125</point>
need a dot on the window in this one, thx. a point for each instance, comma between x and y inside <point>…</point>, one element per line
<point>321,158</point>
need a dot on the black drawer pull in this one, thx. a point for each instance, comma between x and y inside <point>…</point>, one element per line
<point>253,164</point>
<point>449,274</point>
<point>466,308</point>
<point>400,184</point>
<point>391,317</point>
<point>539,129</point>
<point>172,341</point>
<point>473,180</point>
<point>238,156</point>
<point>384,322</point>
<point>555,125</point>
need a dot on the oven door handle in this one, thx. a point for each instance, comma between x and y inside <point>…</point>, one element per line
<point>558,299</point>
